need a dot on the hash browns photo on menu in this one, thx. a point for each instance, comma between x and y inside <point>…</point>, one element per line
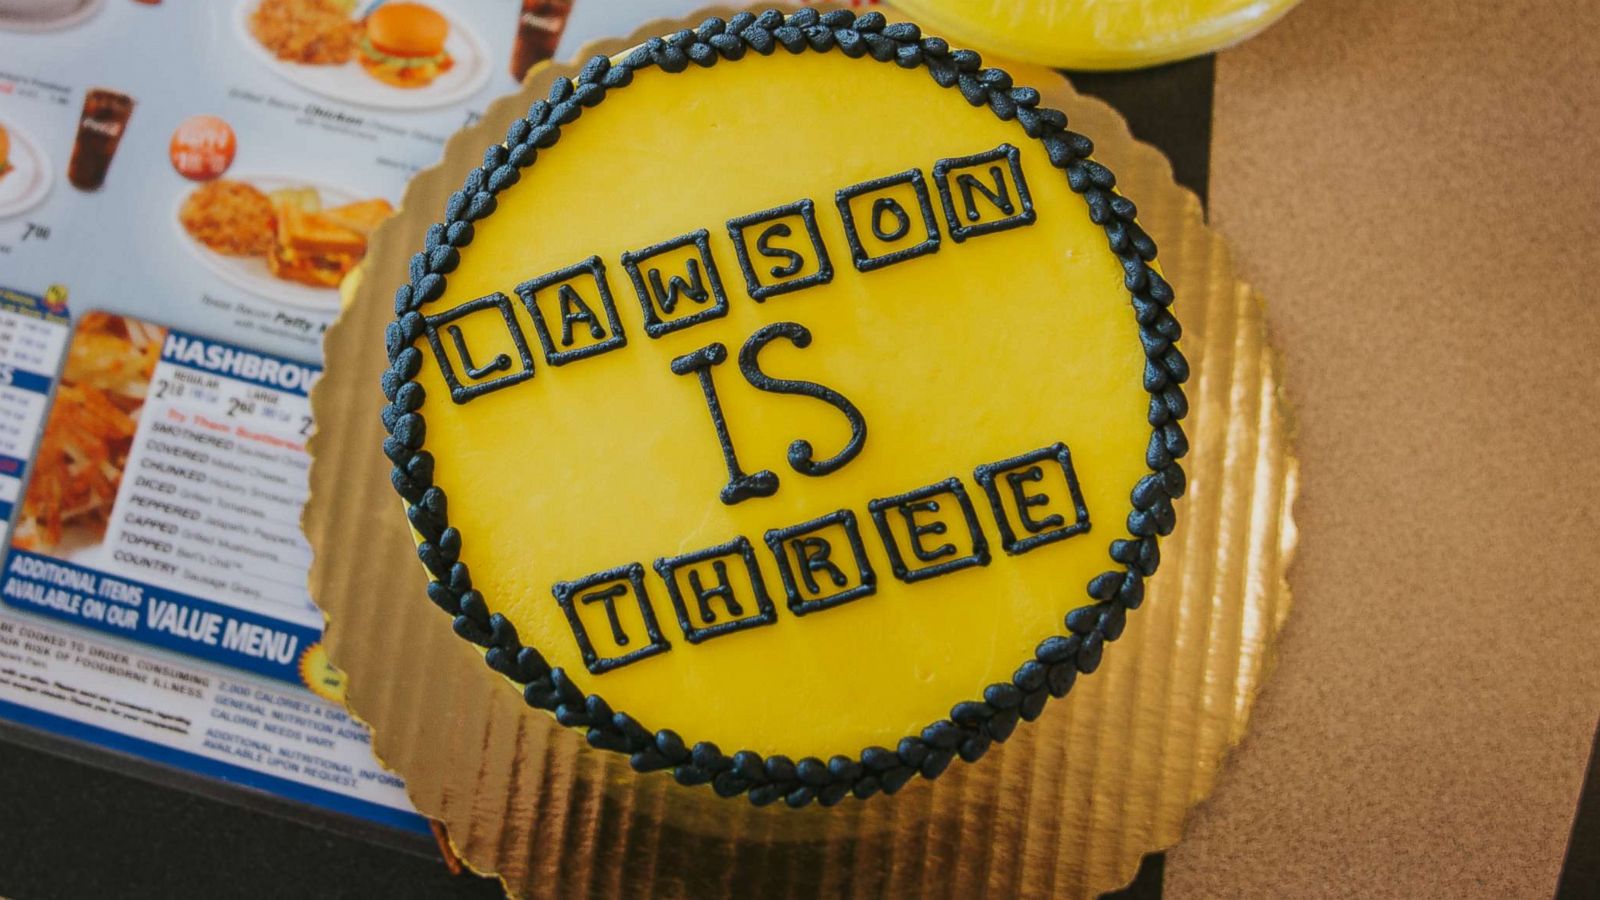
<point>89,432</point>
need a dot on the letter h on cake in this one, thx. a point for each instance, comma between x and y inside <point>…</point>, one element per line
<point>717,591</point>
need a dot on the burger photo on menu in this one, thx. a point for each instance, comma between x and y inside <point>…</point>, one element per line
<point>403,44</point>
<point>392,54</point>
<point>279,238</point>
<point>24,172</point>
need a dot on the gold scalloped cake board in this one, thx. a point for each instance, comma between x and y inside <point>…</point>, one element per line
<point>1065,808</point>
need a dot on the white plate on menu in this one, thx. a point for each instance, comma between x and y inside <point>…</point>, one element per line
<point>25,185</point>
<point>352,84</point>
<point>250,273</point>
<point>46,15</point>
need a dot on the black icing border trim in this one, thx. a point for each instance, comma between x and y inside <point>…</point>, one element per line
<point>973,725</point>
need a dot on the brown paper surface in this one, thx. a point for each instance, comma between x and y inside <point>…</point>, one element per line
<point>1414,185</point>
<point>1063,809</point>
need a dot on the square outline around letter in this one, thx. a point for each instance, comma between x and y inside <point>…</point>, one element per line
<point>868,580</point>
<point>807,212</point>
<point>1025,214</point>
<point>864,261</point>
<point>766,613</point>
<point>953,486</point>
<point>654,325</point>
<point>1008,538</point>
<point>596,270</point>
<point>632,573</point>
<point>460,393</point>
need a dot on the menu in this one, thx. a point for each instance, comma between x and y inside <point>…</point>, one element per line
<point>182,188</point>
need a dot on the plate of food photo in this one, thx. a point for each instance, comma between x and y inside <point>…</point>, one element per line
<point>387,54</point>
<point>278,237</point>
<point>24,174</point>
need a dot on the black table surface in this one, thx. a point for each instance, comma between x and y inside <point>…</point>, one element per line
<point>74,825</point>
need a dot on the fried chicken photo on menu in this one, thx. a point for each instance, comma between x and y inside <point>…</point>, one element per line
<point>230,217</point>
<point>5,152</point>
<point>403,45</point>
<point>89,433</point>
<point>311,32</point>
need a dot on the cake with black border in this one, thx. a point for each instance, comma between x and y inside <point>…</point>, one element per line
<point>790,403</point>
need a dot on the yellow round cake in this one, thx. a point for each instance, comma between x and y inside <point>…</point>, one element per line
<point>791,403</point>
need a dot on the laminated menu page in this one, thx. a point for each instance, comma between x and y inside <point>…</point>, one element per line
<point>204,175</point>
<point>194,172</point>
<point>160,524</point>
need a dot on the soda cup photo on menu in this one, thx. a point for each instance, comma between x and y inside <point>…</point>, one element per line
<point>539,28</point>
<point>105,117</point>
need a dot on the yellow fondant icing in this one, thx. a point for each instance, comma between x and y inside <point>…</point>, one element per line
<point>985,349</point>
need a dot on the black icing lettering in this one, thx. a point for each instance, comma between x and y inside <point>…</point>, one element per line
<point>1018,473</point>
<point>740,486</point>
<point>475,372</point>
<point>943,558</point>
<point>888,221</point>
<point>815,555</point>
<point>662,288</point>
<point>1015,480</point>
<point>917,531</point>
<point>722,591</point>
<point>576,312</point>
<point>608,589</point>
<point>579,289</point>
<point>993,194</point>
<point>1000,196</point>
<point>793,262</point>
<point>769,226</point>
<point>692,287</point>
<point>735,555</point>
<point>492,307</point>
<point>902,219</point>
<point>815,548</point>
<point>800,452</point>
<point>608,598</point>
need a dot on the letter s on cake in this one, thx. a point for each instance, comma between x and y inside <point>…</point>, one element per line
<point>404,45</point>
